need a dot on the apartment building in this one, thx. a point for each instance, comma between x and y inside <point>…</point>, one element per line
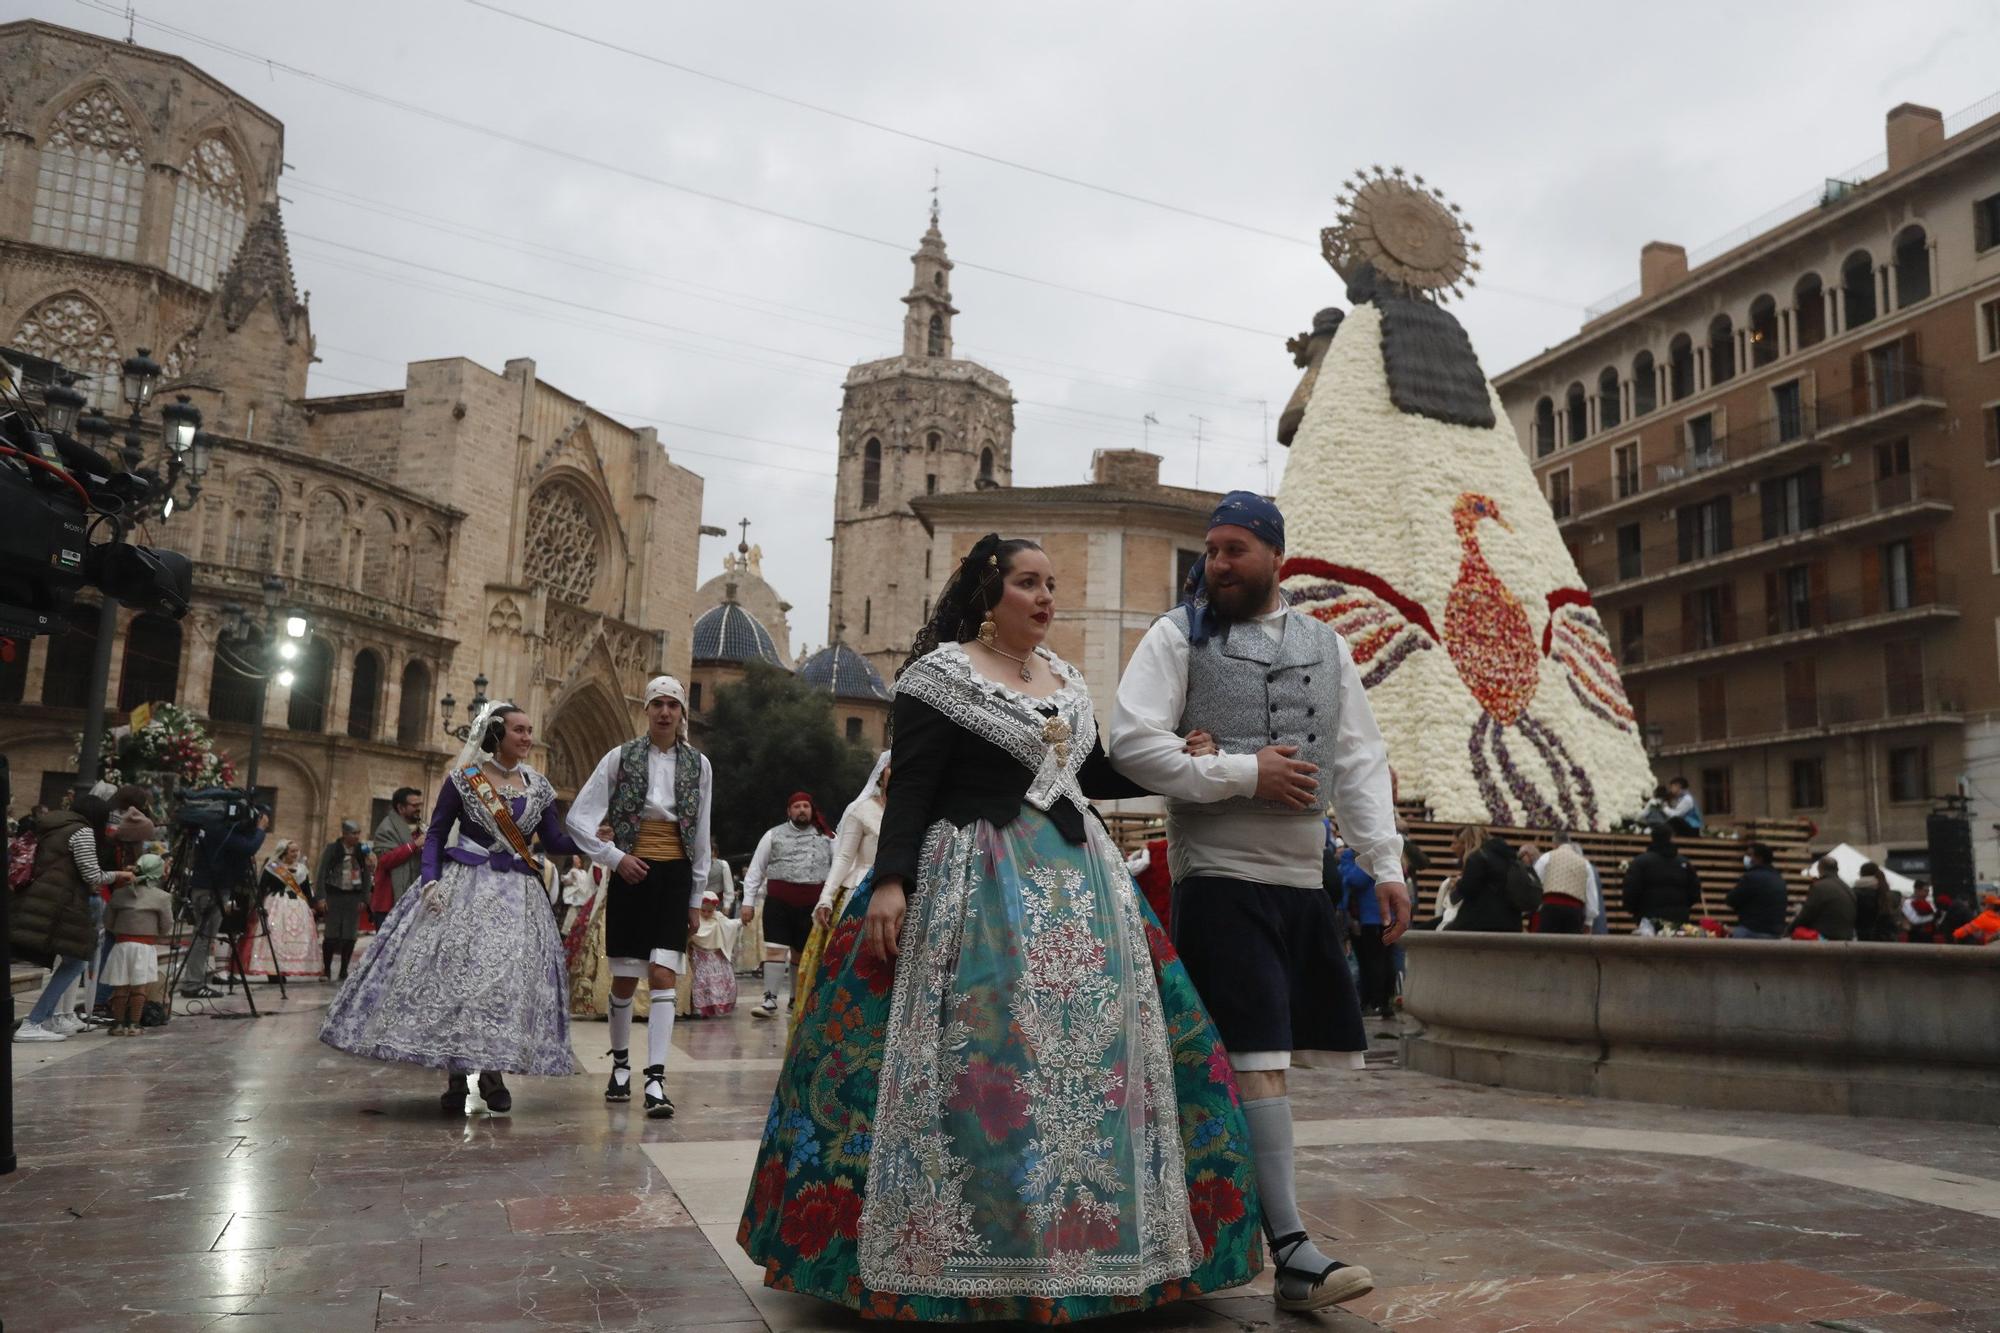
<point>1779,472</point>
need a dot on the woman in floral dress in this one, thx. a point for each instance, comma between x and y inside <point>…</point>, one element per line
<point>288,907</point>
<point>1003,1099</point>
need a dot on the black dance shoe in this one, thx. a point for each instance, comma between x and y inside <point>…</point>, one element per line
<point>493,1091</point>
<point>452,1102</point>
<point>657,1105</point>
<point>617,1089</point>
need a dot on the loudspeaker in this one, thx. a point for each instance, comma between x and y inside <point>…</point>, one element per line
<point>1950,838</point>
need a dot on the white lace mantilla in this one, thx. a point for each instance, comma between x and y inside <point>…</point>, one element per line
<point>540,796</point>
<point>1052,746</point>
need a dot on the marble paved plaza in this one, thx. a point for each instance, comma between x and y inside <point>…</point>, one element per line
<point>239,1176</point>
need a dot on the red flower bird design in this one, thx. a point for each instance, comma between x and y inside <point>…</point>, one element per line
<point>1486,629</point>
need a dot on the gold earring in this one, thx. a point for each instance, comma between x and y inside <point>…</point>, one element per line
<point>989,633</point>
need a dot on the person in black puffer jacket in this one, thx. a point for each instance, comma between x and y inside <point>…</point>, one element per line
<point>1660,886</point>
<point>1486,860</point>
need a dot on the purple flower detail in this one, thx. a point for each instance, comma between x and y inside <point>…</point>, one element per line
<point>1540,815</point>
<point>1497,808</point>
<point>1379,670</point>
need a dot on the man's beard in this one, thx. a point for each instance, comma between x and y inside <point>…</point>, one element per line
<point>802,823</point>
<point>1249,597</point>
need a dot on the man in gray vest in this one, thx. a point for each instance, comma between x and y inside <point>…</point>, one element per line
<point>785,875</point>
<point>1279,692</point>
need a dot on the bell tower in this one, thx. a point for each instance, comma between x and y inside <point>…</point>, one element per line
<point>923,422</point>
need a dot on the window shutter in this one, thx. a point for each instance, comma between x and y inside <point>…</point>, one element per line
<point>1773,618</point>
<point>1725,525</point>
<point>1687,622</point>
<point>1816,582</point>
<point>1982,226</point>
<point>1809,496</point>
<point>1857,379</point>
<point>1923,570</point>
<point>1728,613</point>
<point>1770,498</point>
<point>1993,434</point>
<point>1871,580</point>
<point>1685,518</point>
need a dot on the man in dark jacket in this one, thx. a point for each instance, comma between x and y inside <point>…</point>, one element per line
<point>346,873</point>
<point>221,867</point>
<point>1759,899</point>
<point>1661,888</point>
<point>1829,905</point>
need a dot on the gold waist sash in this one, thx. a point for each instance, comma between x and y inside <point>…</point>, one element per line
<point>659,840</point>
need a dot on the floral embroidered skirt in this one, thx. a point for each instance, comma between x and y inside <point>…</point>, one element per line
<point>294,941</point>
<point>477,986</point>
<point>1026,1116</point>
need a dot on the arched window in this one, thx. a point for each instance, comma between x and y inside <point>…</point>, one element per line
<point>986,464</point>
<point>694,697</point>
<point>1680,367</point>
<point>1857,289</point>
<point>13,669</point>
<point>70,328</point>
<point>92,180</point>
<point>1808,311</point>
<point>1578,407</point>
<point>312,681</point>
<point>937,335</point>
<point>1609,406</point>
<point>565,544</point>
<point>66,670</point>
<point>427,572</point>
<point>381,570</point>
<point>178,364</point>
<point>932,441</point>
<point>937,280</point>
<point>233,693</point>
<point>326,531</point>
<point>253,523</point>
<point>210,211</point>
<point>1763,330</point>
<point>413,718</point>
<point>1645,384</point>
<point>1545,426</point>
<point>364,695</point>
<point>871,473</point>
<point>1913,266</point>
<point>1721,350</point>
<point>152,669</point>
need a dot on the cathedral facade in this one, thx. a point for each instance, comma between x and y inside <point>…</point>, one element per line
<point>922,423</point>
<point>469,523</point>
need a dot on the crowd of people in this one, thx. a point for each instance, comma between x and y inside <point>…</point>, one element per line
<point>1007,1058</point>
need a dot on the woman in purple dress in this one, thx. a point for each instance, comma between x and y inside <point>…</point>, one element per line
<point>467,972</point>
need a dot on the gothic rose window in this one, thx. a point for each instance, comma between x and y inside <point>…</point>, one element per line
<point>210,213</point>
<point>69,328</point>
<point>562,543</point>
<point>92,181</point>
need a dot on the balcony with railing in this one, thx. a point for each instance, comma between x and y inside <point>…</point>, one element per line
<point>1861,505</point>
<point>1775,439</point>
<point>1894,393</point>
<point>1812,620</point>
<point>1933,701</point>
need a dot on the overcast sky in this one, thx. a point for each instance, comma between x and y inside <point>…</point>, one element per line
<point>1571,134</point>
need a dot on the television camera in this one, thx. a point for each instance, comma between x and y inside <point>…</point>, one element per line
<point>56,491</point>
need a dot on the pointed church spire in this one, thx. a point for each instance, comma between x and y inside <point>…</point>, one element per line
<point>927,326</point>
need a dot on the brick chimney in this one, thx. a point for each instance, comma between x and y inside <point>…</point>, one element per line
<point>1915,132</point>
<point>1661,265</point>
<point>1127,469</point>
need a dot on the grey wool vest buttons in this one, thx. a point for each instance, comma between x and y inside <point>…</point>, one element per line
<point>1249,691</point>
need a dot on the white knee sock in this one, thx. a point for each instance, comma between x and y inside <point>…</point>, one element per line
<point>774,975</point>
<point>660,1028</point>
<point>621,1023</point>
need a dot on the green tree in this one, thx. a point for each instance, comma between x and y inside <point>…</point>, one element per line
<point>766,738</point>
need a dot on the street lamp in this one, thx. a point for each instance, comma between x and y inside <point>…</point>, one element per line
<point>180,434</point>
<point>464,729</point>
<point>297,628</point>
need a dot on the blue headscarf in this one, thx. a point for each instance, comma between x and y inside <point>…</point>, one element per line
<point>1240,509</point>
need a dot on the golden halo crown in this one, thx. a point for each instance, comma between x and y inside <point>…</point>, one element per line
<point>1405,229</point>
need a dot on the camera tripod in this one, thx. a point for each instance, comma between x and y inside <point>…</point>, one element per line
<point>235,929</point>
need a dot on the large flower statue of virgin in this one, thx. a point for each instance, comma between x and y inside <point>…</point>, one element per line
<point>1417,530</point>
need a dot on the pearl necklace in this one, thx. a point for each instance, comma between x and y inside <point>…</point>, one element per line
<point>1027,676</point>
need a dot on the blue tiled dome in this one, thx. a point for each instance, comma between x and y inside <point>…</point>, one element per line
<point>844,673</point>
<point>728,633</point>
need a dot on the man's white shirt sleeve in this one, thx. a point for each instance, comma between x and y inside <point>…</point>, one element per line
<point>588,810</point>
<point>1359,787</point>
<point>1142,742</point>
<point>699,853</point>
<point>753,878</point>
